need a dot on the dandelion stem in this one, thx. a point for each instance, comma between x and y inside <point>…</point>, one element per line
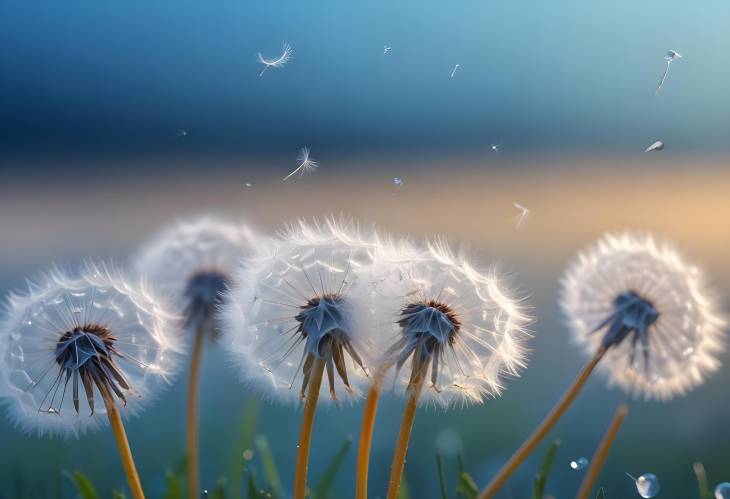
<point>547,424</point>
<point>125,453</point>
<point>602,452</point>
<point>193,477</point>
<point>305,432</point>
<point>404,436</point>
<point>366,433</point>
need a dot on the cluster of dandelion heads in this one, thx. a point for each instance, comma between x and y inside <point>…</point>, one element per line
<point>650,309</point>
<point>298,299</point>
<point>458,331</point>
<point>71,340</point>
<point>193,262</point>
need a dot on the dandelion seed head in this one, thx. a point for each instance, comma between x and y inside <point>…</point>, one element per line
<point>297,299</point>
<point>650,309</point>
<point>192,262</point>
<point>71,339</point>
<point>284,57</point>
<point>447,324</point>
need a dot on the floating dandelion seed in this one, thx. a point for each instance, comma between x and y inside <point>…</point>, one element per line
<point>286,53</point>
<point>193,262</point>
<point>75,348</point>
<point>656,146</point>
<point>646,307</point>
<point>669,57</point>
<point>398,182</point>
<point>635,307</point>
<point>454,71</point>
<point>496,147</point>
<point>523,216</point>
<point>248,185</point>
<point>295,314</point>
<point>386,49</point>
<point>180,134</point>
<point>456,334</point>
<point>306,164</point>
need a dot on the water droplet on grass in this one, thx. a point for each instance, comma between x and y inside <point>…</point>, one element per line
<point>647,485</point>
<point>579,464</point>
<point>722,491</point>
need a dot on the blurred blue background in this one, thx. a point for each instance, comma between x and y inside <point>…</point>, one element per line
<point>93,97</point>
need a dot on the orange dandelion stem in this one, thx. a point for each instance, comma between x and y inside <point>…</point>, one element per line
<point>547,424</point>
<point>305,432</point>
<point>366,433</point>
<point>602,452</point>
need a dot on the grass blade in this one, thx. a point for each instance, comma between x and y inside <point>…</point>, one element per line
<point>322,488</point>
<point>601,493</point>
<point>270,470</point>
<point>404,492</point>
<point>442,477</point>
<point>467,487</point>
<point>220,490</point>
<point>542,475</point>
<point>83,485</point>
<point>243,443</point>
<point>699,470</point>
<point>117,494</point>
<point>173,486</point>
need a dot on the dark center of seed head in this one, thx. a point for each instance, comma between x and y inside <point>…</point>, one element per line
<point>632,315</point>
<point>203,293</point>
<point>86,356</point>
<point>432,320</point>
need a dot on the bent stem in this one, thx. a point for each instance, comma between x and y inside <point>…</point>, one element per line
<point>547,424</point>
<point>404,436</point>
<point>120,436</point>
<point>305,432</point>
<point>192,430</point>
<point>366,434</point>
<point>602,452</point>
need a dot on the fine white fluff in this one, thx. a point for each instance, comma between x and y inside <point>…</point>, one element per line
<point>170,259</point>
<point>686,339</point>
<point>273,285</point>
<point>490,344</point>
<point>58,302</point>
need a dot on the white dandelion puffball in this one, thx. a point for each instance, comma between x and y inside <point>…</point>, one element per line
<point>649,309</point>
<point>447,325</point>
<point>70,340</point>
<point>193,262</point>
<point>297,300</point>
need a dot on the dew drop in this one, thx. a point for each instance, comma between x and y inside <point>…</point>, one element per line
<point>579,464</point>
<point>647,485</point>
<point>722,491</point>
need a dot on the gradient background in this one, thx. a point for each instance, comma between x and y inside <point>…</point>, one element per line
<point>92,96</point>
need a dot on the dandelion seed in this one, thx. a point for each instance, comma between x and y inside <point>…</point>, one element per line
<point>248,185</point>
<point>280,61</point>
<point>670,56</point>
<point>296,314</point>
<point>180,134</point>
<point>455,333</point>
<point>386,49</point>
<point>306,164</point>
<point>523,216</point>
<point>496,147</point>
<point>120,351</point>
<point>454,71</point>
<point>193,262</point>
<point>656,146</point>
<point>398,182</point>
<point>642,303</point>
<point>629,294</point>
